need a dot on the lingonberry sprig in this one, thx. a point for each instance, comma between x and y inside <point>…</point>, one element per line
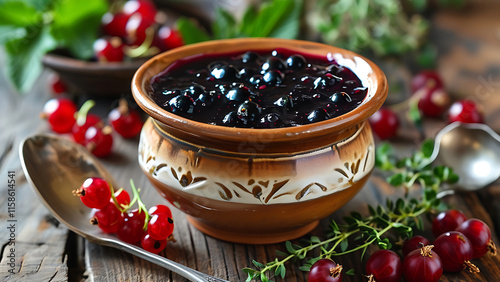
<point>383,226</point>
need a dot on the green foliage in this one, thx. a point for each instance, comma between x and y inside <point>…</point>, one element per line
<point>379,26</point>
<point>384,225</point>
<point>275,18</point>
<point>29,29</point>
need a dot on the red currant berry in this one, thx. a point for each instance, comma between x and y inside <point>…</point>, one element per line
<point>169,38</point>
<point>122,197</point>
<point>160,226</point>
<point>151,245</point>
<point>127,122</point>
<point>325,270</point>
<point>57,85</point>
<point>464,111</point>
<point>447,221</point>
<point>479,235</point>
<point>109,218</point>
<point>79,130</point>
<point>414,243</point>
<point>138,29</point>
<point>385,123</point>
<point>384,266</point>
<point>455,251</point>
<point>95,192</point>
<point>132,229</point>
<point>422,265</point>
<point>99,141</point>
<point>145,8</point>
<point>109,49</point>
<point>426,79</point>
<point>160,209</point>
<point>60,113</point>
<point>114,24</point>
<point>432,102</point>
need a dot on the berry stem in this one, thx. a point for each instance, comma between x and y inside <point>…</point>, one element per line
<point>142,206</point>
<point>81,115</point>
<point>145,49</point>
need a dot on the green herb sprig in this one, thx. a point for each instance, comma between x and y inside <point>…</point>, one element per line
<point>384,226</point>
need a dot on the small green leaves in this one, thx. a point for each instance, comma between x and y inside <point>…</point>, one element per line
<point>350,272</point>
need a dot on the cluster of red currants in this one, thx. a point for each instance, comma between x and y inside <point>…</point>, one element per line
<point>134,26</point>
<point>112,213</point>
<point>89,130</point>
<point>458,241</point>
<point>433,101</point>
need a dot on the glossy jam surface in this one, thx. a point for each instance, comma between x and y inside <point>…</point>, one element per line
<point>258,89</point>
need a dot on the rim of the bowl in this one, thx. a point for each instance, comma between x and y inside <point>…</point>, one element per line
<point>362,112</point>
<point>62,62</point>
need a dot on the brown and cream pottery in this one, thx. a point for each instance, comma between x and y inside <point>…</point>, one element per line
<point>258,185</point>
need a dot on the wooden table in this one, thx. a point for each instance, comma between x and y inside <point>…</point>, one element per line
<point>469,44</point>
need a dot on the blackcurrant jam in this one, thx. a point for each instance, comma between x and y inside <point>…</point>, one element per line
<point>258,89</point>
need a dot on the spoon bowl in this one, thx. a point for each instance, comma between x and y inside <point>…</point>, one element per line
<point>472,151</point>
<point>55,166</point>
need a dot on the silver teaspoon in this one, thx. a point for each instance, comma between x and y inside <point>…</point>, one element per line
<point>472,150</point>
<point>55,166</point>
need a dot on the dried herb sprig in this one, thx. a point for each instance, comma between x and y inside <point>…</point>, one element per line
<point>385,224</point>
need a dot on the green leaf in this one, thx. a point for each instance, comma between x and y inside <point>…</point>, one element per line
<point>224,25</point>
<point>281,253</point>
<point>246,25</point>
<point>428,147</point>
<point>344,245</point>
<point>263,277</point>
<point>290,26</point>
<point>315,239</point>
<point>8,33</point>
<point>76,25</point>
<point>396,179</point>
<point>350,272</point>
<point>270,16</point>
<point>419,5</point>
<point>190,31</point>
<point>258,264</point>
<point>289,247</point>
<point>305,268</point>
<point>24,57</point>
<point>283,271</point>
<point>19,14</point>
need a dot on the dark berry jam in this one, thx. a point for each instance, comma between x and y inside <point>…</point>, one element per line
<point>257,89</point>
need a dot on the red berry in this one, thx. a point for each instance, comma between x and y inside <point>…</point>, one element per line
<point>160,226</point>
<point>79,131</point>
<point>385,123</point>
<point>114,24</point>
<point>109,218</point>
<point>95,192</point>
<point>455,251</point>
<point>160,209</point>
<point>132,228</point>
<point>127,122</point>
<point>99,141</point>
<point>385,266</point>
<point>145,8</point>
<point>57,85</point>
<point>151,245</point>
<point>426,79</point>
<point>447,221</point>
<point>170,38</point>
<point>432,102</point>
<point>325,270</point>
<point>464,111</point>
<point>414,243</point>
<point>109,49</point>
<point>422,265</point>
<point>479,235</point>
<point>138,29</point>
<point>122,197</point>
<point>60,113</point>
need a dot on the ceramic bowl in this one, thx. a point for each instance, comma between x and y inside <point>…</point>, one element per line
<point>93,78</point>
<point>258,185</point>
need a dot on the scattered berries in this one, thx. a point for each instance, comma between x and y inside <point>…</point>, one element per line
<point>126,121</point>
<point>447,221</point>
<point>385,123</point>
<point>60,113</point>
<point>455,251</point>
<point>422,264</point>
<point>465,111</point>
<point>414,243</point>
<point>99,140</point>
<point>95,193</point>
<point>384,265</point>
<point>325,270</point>
<point>479,235</point>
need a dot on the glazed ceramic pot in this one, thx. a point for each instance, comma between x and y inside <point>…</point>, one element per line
<point>258,185</point>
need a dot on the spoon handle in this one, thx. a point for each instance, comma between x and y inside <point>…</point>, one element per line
<point>184,271</point>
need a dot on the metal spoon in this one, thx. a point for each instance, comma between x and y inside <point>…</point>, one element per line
<point>55,166</point>
<point>472,150</point>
